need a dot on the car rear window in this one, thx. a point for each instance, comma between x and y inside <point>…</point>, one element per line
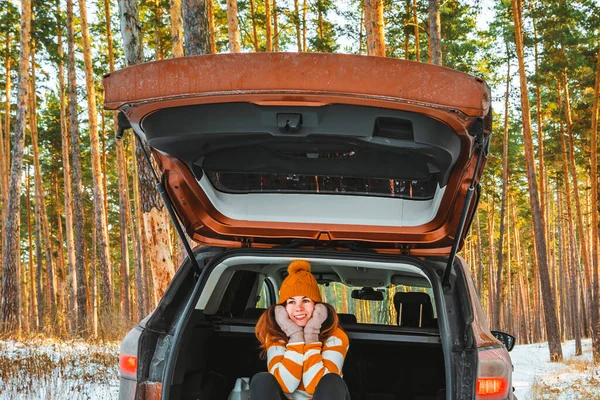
<point>244,183</point>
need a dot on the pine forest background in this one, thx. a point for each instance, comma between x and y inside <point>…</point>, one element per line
<point>87,248</point>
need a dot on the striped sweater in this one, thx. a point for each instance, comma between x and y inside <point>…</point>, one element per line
<point>298,367</point>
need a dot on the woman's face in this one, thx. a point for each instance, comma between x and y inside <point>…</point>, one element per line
<point>300,309</point>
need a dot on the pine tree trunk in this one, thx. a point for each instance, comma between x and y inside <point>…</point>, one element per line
<point>142,287</point>
<point>40,204</point>
<point>297,24</point>
<point>275,27</point>
<point>68,191</point>
<point>435,33</point>
<point>491,277</point>
<point>580,228</point>
<point>500,254</point>
<point>594,217</point>
<point>123,183</point>
<point>159,52</point>
<point>552,328</point>
<point>5,144</point>
<point>304,10</point>
<point>10,306</point>
<point>416,28</point>
<point>479,257</point>
<point>254,31</point>
<point>94,283</point>
<point>374,27</point>
<point>81,285</point>
<point>268,27</point>
<point>33,310</point>
<point>176,29</point>
<point>99,211</point>
<point>61,275</point>
<point>211,27</point>
<point>233,26</point>
<point>196,29</point>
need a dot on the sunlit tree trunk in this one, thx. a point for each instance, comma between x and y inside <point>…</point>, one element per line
<point>304,11</point>
<point>99,211</point>
<point>10,306</point>
<point>176,29</point>
<point>66,166</point>
<point>159,52</point>
<point>33,311</point>
<point>298,27</point>
<point>374,25</point>
<point>275,27</point>
<point>435,34</point>
<point>594,217</point>
<point>211,27</point>
<point>479,257</point>
<point>4,179</point>
<point>254,29</point>
<point>81,286</point>
<point>577,199</point>
<point>552,328</point>
<point>140,266</point>
<point>61,275</point>
<point>500,256</point>
<point>491,262</point>
<point>40,204</point>
<point>268,26</point>
<point>94,282</point>
<point>233,26</point>
<point>124,204</point>
<point>416,28</point>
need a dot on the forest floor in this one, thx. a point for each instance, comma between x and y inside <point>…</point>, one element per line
<point>74,370</point>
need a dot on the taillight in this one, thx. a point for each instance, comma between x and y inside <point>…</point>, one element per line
<point>128,352</point>
<point>494,373</point>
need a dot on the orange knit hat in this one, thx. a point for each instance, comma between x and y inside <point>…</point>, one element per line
<point>299,282</point>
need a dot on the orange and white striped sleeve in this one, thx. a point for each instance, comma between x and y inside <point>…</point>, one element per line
<point>324,358</point>
<point>285,363</point>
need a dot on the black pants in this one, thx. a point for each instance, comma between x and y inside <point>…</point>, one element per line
<point>264,386</point>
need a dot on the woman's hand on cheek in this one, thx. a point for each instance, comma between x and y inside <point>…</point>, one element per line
<point>313,326</point>
<point>289,327</point>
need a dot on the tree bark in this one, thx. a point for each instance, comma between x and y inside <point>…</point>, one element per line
<point>374,27</point>
<point>298,28</point>
<point>99,211</point>
<point>552,329</point>
<point>81,285</point>
<point>211,27</point>
<point>479,257</point>
<point>268,27</point>
<point>10,306</point>
<point>416,27</point>
<point>233,26</point>
<point>66,164</point>
<point>500,254</point>
<point>40,204</point>
<point>176,29</point>
<point>304,10</point>
<point>196,29</point>
<point>254,31</point>
<point>33,311</point>
<point>140,270</point>
<point>435,33</point>
<point>123,183</point>
<point>594,217</point>
<point>275,27</point>
<point>580,228</point>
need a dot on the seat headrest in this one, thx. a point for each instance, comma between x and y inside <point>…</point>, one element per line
<point>254,313</point>
<point>413,309</point>
<point>347,318</point>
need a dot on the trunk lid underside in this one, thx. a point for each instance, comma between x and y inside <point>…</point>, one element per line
<point>265,149</point>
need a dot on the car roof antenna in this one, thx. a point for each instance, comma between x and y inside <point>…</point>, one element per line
<point>481,142</point>
<point>123,125</point>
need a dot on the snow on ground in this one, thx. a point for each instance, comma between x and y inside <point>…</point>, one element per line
<point>535,377</point>
<point>47,369</point>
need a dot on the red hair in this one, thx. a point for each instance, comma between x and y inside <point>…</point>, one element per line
<point>268,331</point>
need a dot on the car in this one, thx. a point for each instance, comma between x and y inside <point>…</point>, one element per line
<point>366,167</point>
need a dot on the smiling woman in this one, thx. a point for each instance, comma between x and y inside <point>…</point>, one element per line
<point>305,348</point>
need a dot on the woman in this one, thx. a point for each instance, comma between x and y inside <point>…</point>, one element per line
<point>304,346</point>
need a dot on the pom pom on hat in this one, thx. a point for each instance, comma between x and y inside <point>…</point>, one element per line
<point>299,282</point>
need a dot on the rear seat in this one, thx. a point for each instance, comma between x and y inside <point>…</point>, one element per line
<point>414,309</point>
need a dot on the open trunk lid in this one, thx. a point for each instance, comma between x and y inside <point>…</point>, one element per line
<point>267,149</point>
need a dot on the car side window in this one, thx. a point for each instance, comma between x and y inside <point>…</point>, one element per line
<point>264,300</point>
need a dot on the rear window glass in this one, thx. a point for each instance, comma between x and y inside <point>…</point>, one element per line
<point>380,312</point>
<point>243,183</point>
